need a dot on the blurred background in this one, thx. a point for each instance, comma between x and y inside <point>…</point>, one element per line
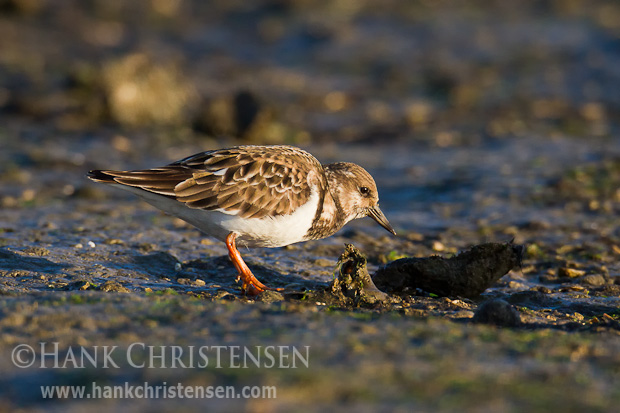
<point>299,71</point>
<point>108,83</point>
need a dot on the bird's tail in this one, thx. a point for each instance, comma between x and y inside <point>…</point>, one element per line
<point>101,176</point>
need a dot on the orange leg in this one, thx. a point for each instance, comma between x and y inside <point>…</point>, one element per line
<point>250,285</point>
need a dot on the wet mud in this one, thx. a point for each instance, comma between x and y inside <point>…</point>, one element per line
<point>481,123</point>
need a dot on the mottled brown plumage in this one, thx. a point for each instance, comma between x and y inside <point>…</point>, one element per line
<point>266,195</point>
<point>252,181</point>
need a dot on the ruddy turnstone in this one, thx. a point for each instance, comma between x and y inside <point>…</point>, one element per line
<point>268,196</point>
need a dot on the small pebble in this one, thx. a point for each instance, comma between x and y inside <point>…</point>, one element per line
<point>595,280</point>
<point>514,285</point>
<point>578,317</point>
<point>114,241</point>
<point>113,286</point>
<point>91,244</point>
<point>577,288</point>
<point>565,272</point>
<point>84,286</point>
<point>323,262</point>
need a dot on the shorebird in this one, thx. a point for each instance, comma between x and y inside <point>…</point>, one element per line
<point>267,196</point>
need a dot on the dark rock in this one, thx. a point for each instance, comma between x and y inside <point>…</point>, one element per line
<point>497,312</point>
<point>612,290</point>
<point>542,289</point>
<point>466,275</point>
<point>269,296</point>
<point>533,300</point>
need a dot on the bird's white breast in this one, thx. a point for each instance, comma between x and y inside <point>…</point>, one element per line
<point>268,231</point>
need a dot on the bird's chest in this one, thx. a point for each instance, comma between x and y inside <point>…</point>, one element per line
<point>273,231</point>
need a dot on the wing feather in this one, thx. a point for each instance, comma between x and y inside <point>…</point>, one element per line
<point>249,181</point>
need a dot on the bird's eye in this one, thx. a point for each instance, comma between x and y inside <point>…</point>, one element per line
<point>364,190</point>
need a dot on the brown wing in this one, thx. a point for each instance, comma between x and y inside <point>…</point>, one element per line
<point>249,181</point>
<point>158,180</point>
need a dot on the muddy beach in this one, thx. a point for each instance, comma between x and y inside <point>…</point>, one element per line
<point>481,124</point>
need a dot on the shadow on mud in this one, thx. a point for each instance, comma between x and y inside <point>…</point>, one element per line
<point>14,261</point>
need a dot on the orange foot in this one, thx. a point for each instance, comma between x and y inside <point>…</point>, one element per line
<point>250,285</point>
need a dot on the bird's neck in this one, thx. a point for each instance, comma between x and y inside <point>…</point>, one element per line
<point>329,218</point>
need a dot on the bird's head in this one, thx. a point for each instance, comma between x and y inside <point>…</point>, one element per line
<point>356,191</point>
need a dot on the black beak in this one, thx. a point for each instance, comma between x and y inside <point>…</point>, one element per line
<point>376,214</point>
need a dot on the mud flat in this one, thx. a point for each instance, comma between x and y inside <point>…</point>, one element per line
<point>483,125</point>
